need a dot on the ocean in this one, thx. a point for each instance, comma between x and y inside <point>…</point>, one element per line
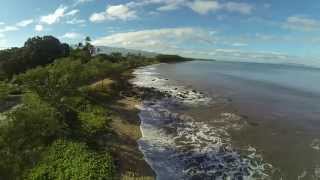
<point>232,120</point>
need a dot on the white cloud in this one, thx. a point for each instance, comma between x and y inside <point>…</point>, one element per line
<point>25,23</point>
<point>84,1</point>
<point>98,17</point>
<point>73,12</point>
<point>238,44</point>
<point>76,21</point>
<point>168,7</point>
<point>54,17</point>
<point>242,8</point>
<point>77,2</point>
<point>3,44</point>
<point>183,40</point>
<point>2,23</point>
<point>301,23</point>
<point>57,15</point>
<point>199,6</point>
<point>1,36</point>
<point>161,40</point>
<point>8,29</point>
<point>117,12</point>
<point>203,7</point>
<point>72,35</point>
<point>38,28</point>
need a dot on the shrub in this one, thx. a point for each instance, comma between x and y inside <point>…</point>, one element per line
<point>94,119</point>
<point>4,91</point>
<point>67,160</point>
<point>27,130</point>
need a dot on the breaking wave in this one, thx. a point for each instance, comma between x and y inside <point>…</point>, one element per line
<point>179,147</point>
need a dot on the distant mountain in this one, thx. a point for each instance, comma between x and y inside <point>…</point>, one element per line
<point>123,51</point>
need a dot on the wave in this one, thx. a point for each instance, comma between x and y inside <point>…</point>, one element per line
<point>179,147</point>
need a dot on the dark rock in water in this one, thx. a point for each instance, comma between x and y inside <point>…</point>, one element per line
<point>253,123</point>
<point>194,91</point>
<point>229,159</point>
<point>244,116</point>
<point>153,79</point>
<point>246,172</point>
<point>182,96</point>
<point>166,79</point>
<point>238,176</point>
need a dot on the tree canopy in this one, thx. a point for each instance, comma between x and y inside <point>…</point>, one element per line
<point>37,51</point>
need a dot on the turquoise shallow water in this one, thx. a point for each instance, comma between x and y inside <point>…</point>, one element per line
<point>272,110</point>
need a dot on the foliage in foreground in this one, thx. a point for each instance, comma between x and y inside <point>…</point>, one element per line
<point>28,130</point>
<point>4,91</point>
<point>73,161</point>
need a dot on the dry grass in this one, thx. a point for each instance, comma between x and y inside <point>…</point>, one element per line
<point>102,86</point>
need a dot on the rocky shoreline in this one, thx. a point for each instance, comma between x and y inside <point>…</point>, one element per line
<point>177,146</point>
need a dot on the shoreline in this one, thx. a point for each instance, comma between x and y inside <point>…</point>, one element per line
<point>130,158</point>
<point>127,123</point>
<point>171,132</point>
<point>126,126</point>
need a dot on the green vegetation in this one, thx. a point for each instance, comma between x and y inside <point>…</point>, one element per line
<point>36,51</point>
<point>25,134</point>
<point>61,129</point>
<point>72,161</point>
<point>171,58</point>
<point>5,90</point>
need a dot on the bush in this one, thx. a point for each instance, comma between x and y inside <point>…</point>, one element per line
<point>27,130</point>
<point>54,81</point>
<point>94,119</point>
<point>5,90</point>
<point>67,160</point>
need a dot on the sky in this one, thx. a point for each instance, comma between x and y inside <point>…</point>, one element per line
<point>277,31</point>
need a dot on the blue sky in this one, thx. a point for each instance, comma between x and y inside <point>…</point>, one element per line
<point>244,30</point>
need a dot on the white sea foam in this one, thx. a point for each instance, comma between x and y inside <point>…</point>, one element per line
<point>147,77</point>
<point>179,147</point>
<point>315,144</point>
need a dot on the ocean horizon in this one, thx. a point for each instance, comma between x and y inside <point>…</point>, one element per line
<point>263,117</point>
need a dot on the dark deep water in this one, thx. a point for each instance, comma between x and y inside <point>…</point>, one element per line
<point>280,105</point>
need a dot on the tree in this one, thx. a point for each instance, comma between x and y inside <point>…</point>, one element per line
<point>88,40</point>
<point>37,51</point>
<point>89,47</point>
<point>43,50</point>
<point>80,45</point>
